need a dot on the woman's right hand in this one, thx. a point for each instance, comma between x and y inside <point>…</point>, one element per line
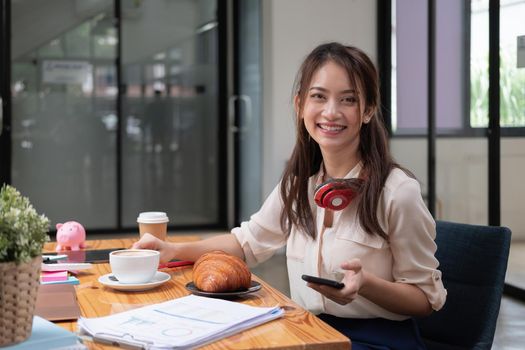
<point>148,241</point>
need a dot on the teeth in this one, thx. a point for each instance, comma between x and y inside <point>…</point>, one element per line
<point>331,127</point>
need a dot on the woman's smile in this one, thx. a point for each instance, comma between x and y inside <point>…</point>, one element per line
<point>331,128</point>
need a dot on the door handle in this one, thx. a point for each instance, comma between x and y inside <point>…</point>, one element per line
<point>248,113</point>
<point>231,112</point>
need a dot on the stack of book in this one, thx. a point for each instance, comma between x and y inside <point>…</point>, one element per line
<point>54,271</point>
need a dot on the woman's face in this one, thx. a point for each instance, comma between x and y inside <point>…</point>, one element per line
<point>331,112</point>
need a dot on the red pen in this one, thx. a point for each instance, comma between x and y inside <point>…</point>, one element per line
<point>175,264</point>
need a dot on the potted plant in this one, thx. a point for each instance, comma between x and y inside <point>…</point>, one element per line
<point>23,233</point>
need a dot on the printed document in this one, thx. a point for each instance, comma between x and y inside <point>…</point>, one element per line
<point>181,323</point>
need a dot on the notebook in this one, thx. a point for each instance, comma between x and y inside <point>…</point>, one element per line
<point>57,302</point>
<point>46,335</point>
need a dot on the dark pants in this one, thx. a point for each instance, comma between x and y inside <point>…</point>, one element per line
<point>377,333</point>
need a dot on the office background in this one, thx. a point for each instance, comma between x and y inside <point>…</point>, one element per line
<point>114,107</point>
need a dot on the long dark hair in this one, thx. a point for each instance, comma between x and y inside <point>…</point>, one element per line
<point>306,156</point>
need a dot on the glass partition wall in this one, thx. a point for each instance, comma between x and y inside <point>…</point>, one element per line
<point>461,152</point>
<point>64,88</point>
<point>170,110</point>
<point>461,85</point>
<point>110,118</point>
<point>512,112</point>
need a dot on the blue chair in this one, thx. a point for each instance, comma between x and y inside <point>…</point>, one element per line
<point>473,260</point>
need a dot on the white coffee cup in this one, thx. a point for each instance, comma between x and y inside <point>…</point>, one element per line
<point>153,222</point>
<point>134,266</point>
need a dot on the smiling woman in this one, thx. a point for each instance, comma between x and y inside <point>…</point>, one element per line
<point>379,244</point>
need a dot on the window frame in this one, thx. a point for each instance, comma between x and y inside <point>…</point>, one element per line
<point>385,9</point>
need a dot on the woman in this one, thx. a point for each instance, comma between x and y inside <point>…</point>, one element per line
<point>345,211</point>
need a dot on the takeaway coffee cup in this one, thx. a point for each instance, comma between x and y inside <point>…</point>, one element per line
<point>134,266</point>
<point>154,222</point>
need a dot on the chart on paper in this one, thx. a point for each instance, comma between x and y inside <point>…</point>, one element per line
<point>179,322</point>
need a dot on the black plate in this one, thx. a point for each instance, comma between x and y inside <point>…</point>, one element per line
<point>255,286</point>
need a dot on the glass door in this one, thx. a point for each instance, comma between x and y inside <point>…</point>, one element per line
<point>63,122</point>
<point>171,115</point>
<point>512,112</point>
<point>248,103</point>
<point>115,107</point>
<point>5,104</point>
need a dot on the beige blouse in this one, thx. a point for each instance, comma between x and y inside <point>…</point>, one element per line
<point>408,257</point>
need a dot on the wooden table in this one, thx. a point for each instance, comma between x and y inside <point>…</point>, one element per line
<point>298,329</point>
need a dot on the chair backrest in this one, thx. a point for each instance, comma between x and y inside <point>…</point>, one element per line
<point>473,260</point>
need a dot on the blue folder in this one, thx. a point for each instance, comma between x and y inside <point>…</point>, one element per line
<point>46,335</point>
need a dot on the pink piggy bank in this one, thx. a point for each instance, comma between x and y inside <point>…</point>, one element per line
<point>70,235</point>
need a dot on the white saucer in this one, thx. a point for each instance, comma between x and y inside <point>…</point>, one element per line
<point>159,278</point>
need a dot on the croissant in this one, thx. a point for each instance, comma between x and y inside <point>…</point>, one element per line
<point>218,272</point>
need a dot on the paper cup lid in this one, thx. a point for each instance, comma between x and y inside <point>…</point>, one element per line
<point>152,217</point>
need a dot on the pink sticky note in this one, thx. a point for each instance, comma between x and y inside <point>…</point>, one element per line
<point>53,276</point>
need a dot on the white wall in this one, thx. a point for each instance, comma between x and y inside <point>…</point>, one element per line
<point>291,29</point>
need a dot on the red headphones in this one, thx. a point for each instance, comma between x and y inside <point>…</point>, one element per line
<point>336,194</point>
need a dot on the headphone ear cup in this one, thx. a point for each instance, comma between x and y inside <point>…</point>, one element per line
<point>333,195</point>
<point>321,192</point>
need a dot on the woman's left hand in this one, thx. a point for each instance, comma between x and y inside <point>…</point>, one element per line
<point>353,280</point>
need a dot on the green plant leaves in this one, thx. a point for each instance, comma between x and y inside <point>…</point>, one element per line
<point>23,231</point>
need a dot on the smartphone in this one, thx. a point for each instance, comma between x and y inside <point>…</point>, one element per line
<point>326,282</point>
